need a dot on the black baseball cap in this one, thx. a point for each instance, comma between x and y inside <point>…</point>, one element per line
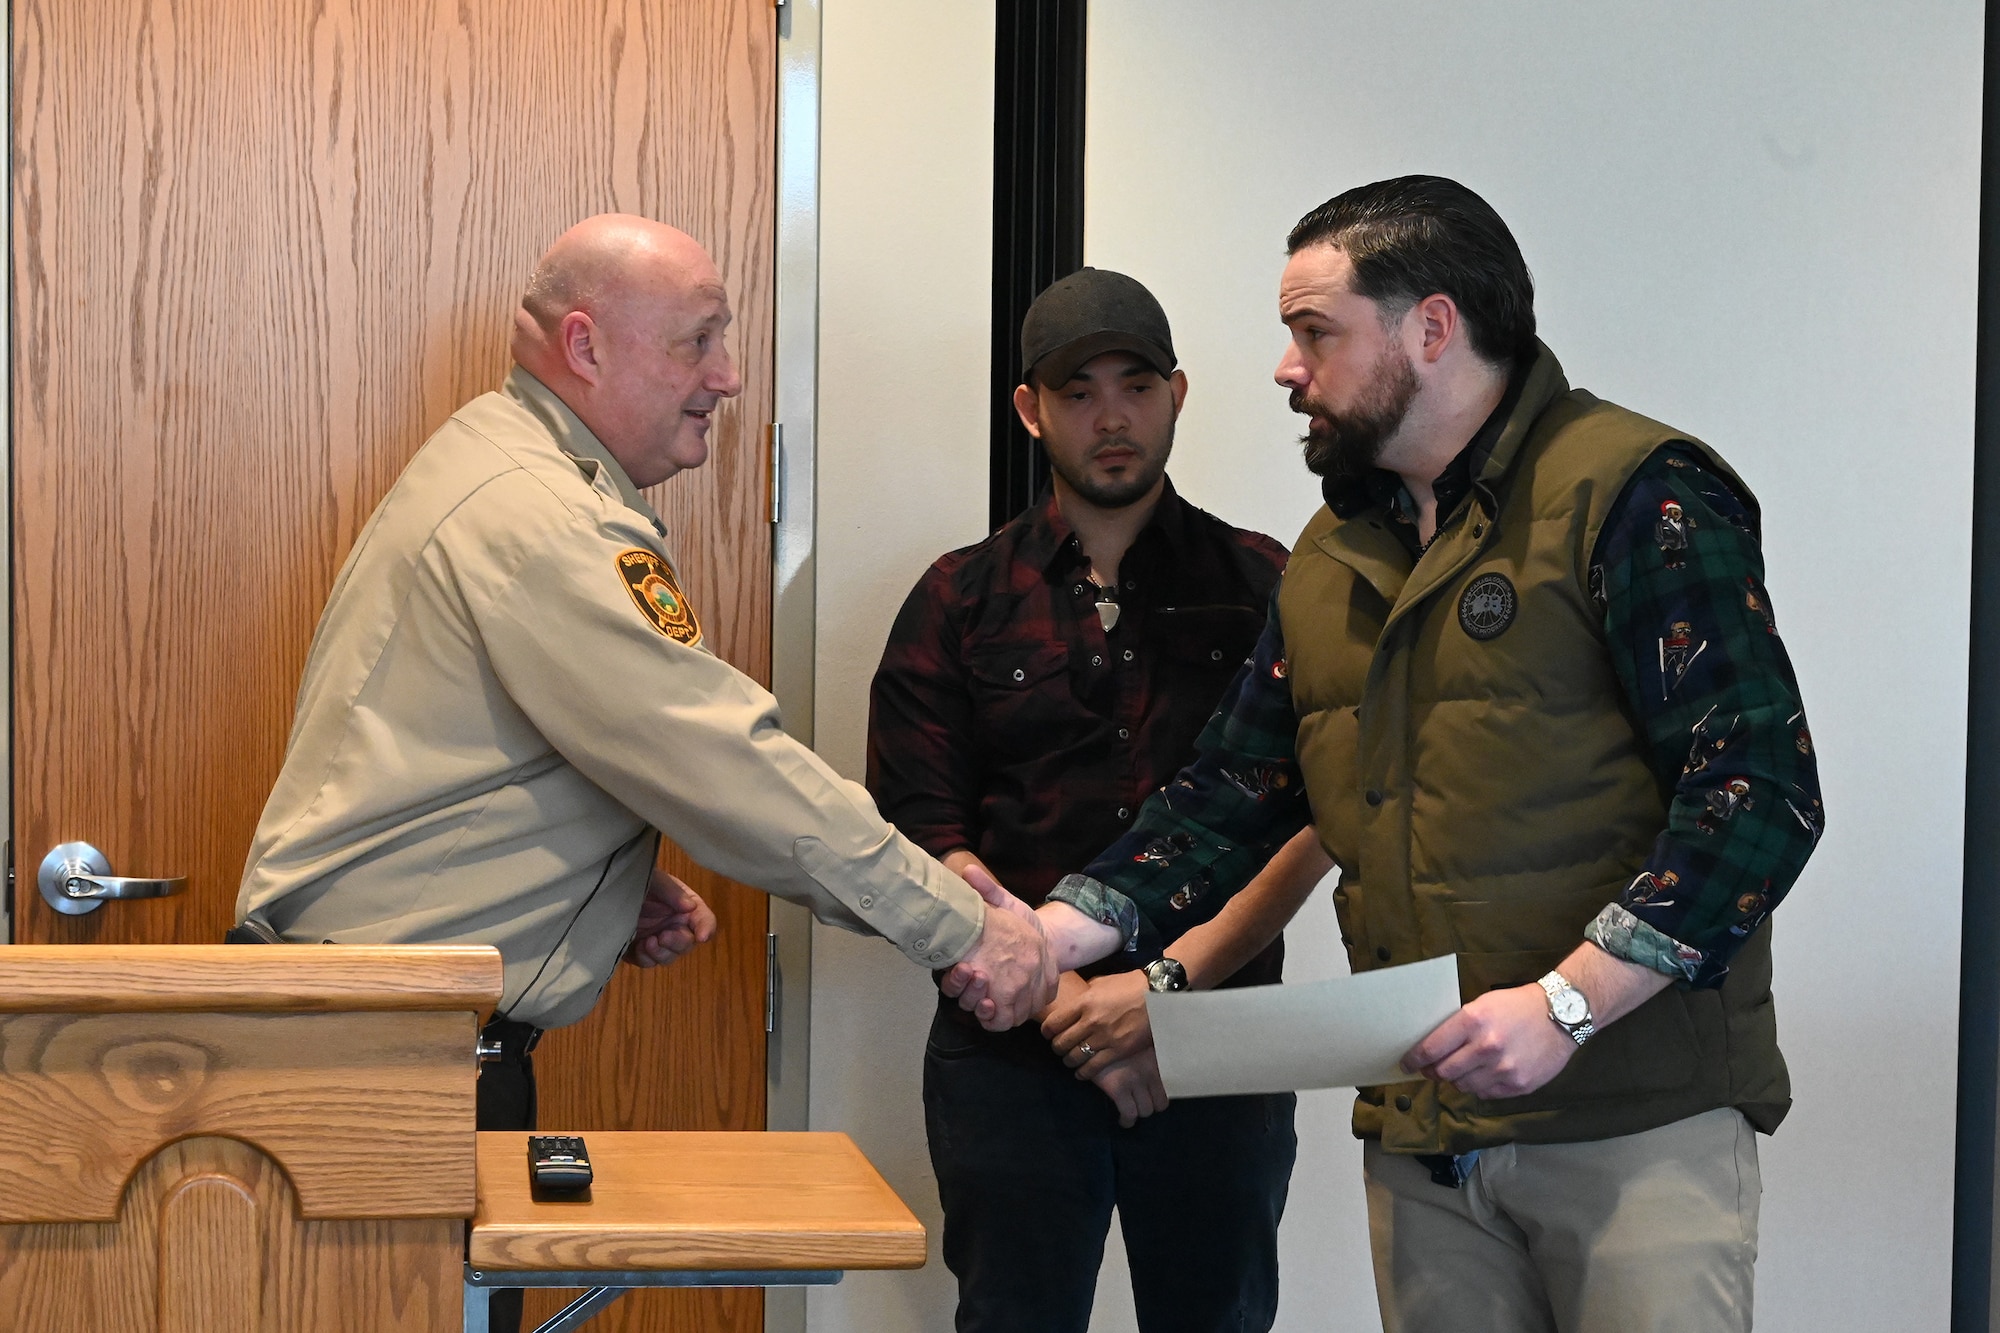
<point>1090,312</point>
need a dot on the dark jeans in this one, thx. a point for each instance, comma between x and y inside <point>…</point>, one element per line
<point>506,1100</point>
<point>1030,1162</point>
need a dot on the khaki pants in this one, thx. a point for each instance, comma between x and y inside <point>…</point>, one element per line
<point>1648,1233</point>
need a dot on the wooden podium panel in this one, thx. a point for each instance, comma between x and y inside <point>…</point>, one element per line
<point>210,1241</point>
<point>710,1201</point>
<point>370,1118</point>
<point>214,1139</point>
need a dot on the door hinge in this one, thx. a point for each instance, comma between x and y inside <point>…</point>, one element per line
<point>776,499</point>
<point>770,981</point>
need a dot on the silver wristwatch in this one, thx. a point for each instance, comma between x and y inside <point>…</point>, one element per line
<point>1569,1009</point>
<point>1166,974</point>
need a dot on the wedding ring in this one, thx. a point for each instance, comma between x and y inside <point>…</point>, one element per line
<point>1085,1051</point>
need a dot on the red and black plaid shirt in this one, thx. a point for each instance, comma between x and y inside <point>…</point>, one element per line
<point>1004,719</point>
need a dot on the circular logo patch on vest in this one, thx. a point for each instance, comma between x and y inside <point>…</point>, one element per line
<point>1488,606</point>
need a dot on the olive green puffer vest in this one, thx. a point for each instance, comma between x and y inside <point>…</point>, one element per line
<point>1476,777</point>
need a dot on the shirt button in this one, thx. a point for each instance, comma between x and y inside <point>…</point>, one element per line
<point>1019,674</point>
<point>922,944</point>
<point>1078,590</point>
<point>1373,797</point>
<point>1123,813</point>
<point>1215,655</point>
<point>1128,654</point>
<point>1095,660</point>
<point>1403,1103</point>
<point>938,957</point>
<point>1381,952</point>
<point>1124,733</point>
<point>867,900</point>
<point>1131,584</point>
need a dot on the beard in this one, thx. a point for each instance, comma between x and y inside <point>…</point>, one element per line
<point>1349,444</point>
<point>1122,492</point>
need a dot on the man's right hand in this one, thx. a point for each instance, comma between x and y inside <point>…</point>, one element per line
<point>1010,975</point>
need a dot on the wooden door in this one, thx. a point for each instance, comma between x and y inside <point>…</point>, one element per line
<point>261,249</point>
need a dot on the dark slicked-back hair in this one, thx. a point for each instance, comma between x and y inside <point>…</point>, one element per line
<point>1416,236</point>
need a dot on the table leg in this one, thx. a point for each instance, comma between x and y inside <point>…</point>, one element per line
<point>582,1308</point>
<point>476,1304</point>
<point>480,1284</point>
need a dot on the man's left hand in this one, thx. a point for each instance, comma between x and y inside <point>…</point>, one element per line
<point>1108,1015</point>
<point>672,920</point>
<point>1503,1044</point>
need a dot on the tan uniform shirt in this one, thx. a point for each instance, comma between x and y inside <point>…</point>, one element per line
<point>506,697</point>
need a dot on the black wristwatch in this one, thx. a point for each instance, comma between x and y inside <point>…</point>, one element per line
<point>1166,974</point>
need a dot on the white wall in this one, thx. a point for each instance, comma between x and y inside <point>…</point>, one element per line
<point>1756,222</point>
<point>906,162</point>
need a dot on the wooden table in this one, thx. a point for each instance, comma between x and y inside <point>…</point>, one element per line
<point>683,1210</point>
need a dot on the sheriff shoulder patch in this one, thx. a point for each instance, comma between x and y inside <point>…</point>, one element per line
<point>651,583</point>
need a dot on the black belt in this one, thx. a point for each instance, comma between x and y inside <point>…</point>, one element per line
<point>252,929</point>
<point>517,1040</point>
<point>1443,1168</point>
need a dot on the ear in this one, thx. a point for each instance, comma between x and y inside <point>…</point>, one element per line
<point>1435,324</point>
<point>1028,405</point>
<point>1178,383</point>
<point>577,336</point>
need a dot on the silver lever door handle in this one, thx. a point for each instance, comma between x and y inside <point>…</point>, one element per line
<point>75,879</point>
<point>120,886</point>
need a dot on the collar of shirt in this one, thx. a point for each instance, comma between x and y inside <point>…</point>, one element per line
<point>576,439</point>
<point>1052,546</point>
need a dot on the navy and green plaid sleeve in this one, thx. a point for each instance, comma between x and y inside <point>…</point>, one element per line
<point>1207,833</point>
<point>1679,574</point>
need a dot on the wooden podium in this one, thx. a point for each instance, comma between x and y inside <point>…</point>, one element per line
<point>280,1139</point>
<point>214,1139</point>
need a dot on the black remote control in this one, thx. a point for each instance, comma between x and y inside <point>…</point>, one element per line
<point>558,1162</point>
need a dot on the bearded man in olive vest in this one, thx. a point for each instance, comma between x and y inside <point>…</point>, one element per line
<point>1525,663</point>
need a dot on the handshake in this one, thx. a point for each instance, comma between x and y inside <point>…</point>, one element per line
<point>1024,967</point>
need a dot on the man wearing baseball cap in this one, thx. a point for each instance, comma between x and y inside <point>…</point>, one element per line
<point>1036,688</point>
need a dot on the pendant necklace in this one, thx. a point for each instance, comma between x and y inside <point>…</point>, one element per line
<point>1107,605</point>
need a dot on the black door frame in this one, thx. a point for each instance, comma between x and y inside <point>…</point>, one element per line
<point>1038,110</point>
<point>1972,1303</point>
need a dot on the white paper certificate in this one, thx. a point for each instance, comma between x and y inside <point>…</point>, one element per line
<point>1347,1032</point>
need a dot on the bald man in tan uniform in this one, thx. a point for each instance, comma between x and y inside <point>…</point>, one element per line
<point>509,696</point>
